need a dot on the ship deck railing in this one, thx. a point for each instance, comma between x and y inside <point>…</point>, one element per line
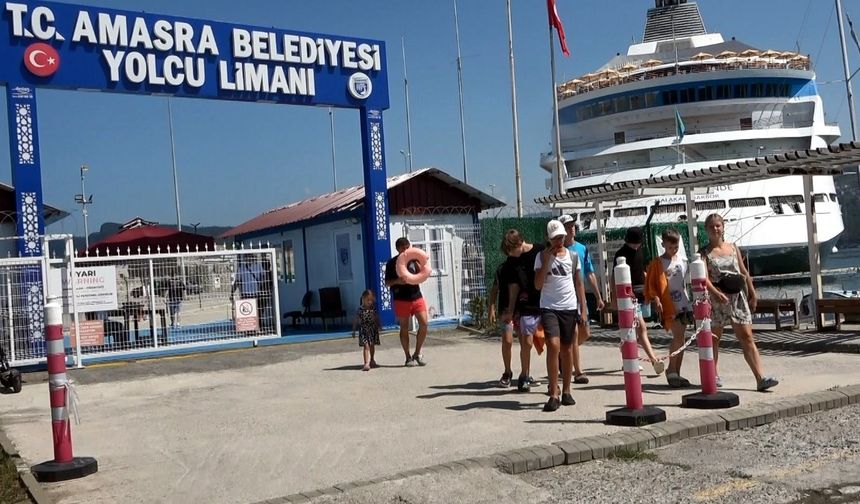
<point>579,86</point>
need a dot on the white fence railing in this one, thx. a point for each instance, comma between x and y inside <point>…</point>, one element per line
<point>131,304</point>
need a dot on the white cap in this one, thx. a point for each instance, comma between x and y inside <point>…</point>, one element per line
<point>566,219</point>
<point>555,229</point>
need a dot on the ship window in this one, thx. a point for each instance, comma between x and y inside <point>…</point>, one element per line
<point>740,91</point>
<point>706,93</point>
<point>756,90</point>
<point>710,205</point>
<point>723,92</point>
<point>667,209</point>
<point>588,216</point>
<point>636,102</point>
<point>820,198</point>
<point>670,97</point>
<point>746,123</point>
<point>786,200</point>
<point>631,212</point>
<point>651,99</point>
<point>619,137</point>
<point>622,104</point>
<point>687,95</point>
<point>833,198</point>
<point>771,90</point>
<point>746,202</point>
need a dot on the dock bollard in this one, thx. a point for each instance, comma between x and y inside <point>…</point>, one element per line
<point>65,466</point>
<point>635,413</point>
<point>709,397</point>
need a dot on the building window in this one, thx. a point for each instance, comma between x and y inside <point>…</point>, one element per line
<point>746,202</point>
<point>710,205</point>
<point>288,262</point>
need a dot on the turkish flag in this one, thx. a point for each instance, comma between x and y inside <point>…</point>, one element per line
<point>555,22</point>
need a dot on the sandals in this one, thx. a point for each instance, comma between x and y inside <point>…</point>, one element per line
<point>677,381</point>
<point>581,379</point>
<point>766,383</point>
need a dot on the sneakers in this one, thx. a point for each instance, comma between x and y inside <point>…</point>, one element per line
<point>366,367</point>
<point>505,381</point>
<point>767,383</point>
<point>719,382</point>
<point>419,360</point>
<point>552,404</point>
<point>567,400</point>
<point>410,362</point>
<point>523,384</point>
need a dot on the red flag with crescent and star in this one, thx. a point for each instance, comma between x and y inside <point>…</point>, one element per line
<point>41,59</point>
<point>555,22</point>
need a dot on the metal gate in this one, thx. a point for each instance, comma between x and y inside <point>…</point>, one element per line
<point>458,267</point>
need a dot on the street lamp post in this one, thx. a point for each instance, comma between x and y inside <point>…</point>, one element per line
<point>406,159</point>
<point>83,200</point>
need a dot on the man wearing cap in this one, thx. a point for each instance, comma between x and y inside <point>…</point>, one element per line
<point>632,252</point>
<point>561,298</point>
<point>586,270</point>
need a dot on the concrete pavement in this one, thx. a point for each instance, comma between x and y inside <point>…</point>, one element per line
<point>263,423</point>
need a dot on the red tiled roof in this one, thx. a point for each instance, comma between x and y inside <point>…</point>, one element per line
<point>344,200</point>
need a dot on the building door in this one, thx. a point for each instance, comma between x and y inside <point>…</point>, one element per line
<point>440,290</point>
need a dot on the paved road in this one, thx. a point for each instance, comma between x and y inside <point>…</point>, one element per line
<point>254,425</point>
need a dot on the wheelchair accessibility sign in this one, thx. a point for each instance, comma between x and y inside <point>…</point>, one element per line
<point>246,315</point>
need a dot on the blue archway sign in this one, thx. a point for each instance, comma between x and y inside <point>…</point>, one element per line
<point>66,46</point>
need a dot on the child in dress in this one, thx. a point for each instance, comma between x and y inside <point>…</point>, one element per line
<point>367,323</point>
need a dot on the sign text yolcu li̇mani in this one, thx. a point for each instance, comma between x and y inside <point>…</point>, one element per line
<point>141,64</point>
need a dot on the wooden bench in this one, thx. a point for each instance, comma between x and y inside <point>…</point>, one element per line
<point>776,307</point>
<point>846,306</point>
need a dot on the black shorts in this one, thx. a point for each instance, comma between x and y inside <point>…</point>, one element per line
<point>559,323</point>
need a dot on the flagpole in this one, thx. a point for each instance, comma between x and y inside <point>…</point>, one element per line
<point>460,87</point>
<point>517,176</point>
<point>557,139</point>
<point>847,71</point>
<point>408,122</point>
<point>173,162</point>
<point>333,151</point>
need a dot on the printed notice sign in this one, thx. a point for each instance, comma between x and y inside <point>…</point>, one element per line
<point>95,289</point>
<point>246,315</point>
<point>92,333</point>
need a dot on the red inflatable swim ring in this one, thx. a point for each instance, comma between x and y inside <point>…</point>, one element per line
<point>423,262</point>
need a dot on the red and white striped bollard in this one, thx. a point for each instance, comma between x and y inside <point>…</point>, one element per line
<point>635,413</point>
<point>709,397</point>
<point>65,466</point>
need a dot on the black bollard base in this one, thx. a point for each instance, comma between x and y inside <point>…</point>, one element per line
<point>50,472</point>
<point>720,400</point>
<point>635,418</point>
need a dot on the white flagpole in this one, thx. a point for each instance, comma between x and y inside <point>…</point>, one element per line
<point>517,176</point>
<point>460,87</point>
<point>408,122</point>
<point>173,159</point>
<point>847,71</point>
<point>333,152</point>
<point>557,139</point>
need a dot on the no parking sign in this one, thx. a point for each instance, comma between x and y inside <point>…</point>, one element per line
<point>246,315</point>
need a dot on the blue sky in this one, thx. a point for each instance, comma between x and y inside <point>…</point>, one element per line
<point>236,160</point>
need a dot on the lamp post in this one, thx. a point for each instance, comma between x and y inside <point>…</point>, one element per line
<point>195,227</point>
<point>83,200</point>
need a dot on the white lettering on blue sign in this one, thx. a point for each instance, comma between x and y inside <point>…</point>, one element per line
<point>146,49</point>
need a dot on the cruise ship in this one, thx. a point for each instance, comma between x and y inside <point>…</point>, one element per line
<point>685,99</point>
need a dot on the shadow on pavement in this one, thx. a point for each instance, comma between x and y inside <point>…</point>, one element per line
<point>564,421</point>
<point>476,393</point>
<point>504,405</point>
<point>469,386</point>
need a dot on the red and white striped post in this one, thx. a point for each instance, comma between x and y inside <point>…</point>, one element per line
<point>710,397</point>
<point>65,466</point>
<point>635,413</point>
